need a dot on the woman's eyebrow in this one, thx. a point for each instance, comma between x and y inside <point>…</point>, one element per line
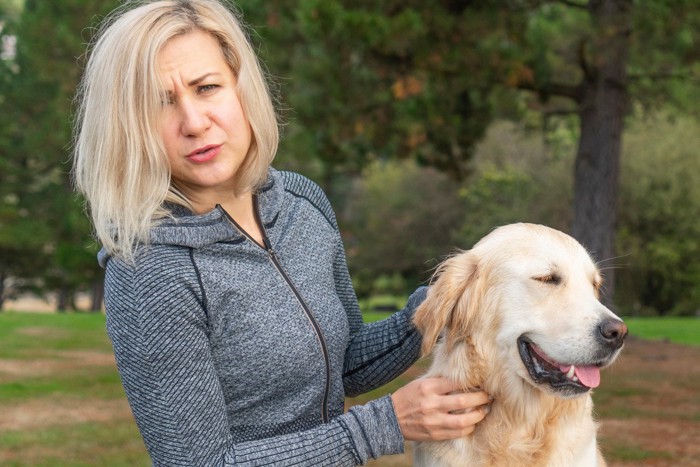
<point>196,81</point>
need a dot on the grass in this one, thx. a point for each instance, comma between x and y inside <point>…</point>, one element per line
<point>54,338</point>
<point>52,341</point>
<point>32,335</point>
<point>87,444</point>
<point>673,329</point>
<point>630,453</point>
<point>98,383</point>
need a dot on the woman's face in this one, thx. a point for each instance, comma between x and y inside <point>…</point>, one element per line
<point>205,133</point>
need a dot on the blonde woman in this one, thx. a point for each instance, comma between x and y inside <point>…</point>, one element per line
<point>232,316</point>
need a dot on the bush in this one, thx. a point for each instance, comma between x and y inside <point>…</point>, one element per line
<point>517,178</point>
<point>659,217</point>
<point>399,222</point>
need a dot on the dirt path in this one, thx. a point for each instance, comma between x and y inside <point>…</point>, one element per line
<point>649,405</point>
<point>53,411</point>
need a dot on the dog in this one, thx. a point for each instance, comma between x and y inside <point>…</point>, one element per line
<point>519,317</point>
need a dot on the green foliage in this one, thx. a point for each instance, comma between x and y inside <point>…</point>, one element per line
<point>376,306</point>
<point>399,219</point>
<point>365,82</point>
<point>370,80</point>
<point>665,62</point>
<point>659,234</point>
<point>517,178</point>
<point>45,240</point>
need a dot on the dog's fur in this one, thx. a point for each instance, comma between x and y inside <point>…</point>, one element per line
<point>530,283</point>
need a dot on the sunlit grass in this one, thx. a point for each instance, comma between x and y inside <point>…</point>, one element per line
<point>35,335</point>
<point>113,444</point>
<point>98,382</point>
<point>673,329</point>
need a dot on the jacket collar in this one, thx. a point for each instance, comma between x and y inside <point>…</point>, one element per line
<point>185,228</point>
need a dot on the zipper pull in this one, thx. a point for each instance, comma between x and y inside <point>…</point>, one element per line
<point>268,246</point>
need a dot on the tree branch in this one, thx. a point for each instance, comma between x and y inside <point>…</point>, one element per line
<point>588,72</point>
<point>552,89</point>
<point>571,3</point>
<point>662,76</point>
<point>582,5</point>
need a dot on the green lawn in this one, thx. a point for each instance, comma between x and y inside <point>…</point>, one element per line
<point>63,361</point>
<point>678,330</point>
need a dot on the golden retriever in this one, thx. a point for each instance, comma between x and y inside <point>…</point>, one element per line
<point>519,317</point>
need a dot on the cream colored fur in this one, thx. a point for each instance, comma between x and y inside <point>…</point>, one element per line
<point>481,302</point>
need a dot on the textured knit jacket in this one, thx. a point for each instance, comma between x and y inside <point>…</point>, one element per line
<point>235,353</point>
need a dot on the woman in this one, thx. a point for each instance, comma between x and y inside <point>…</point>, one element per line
<point>232,316</point>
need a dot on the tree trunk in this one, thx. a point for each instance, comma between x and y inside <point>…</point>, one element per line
<point>63,301</point>
<point>2,289</point>
<point>602,112</point>
<point>98,292</point>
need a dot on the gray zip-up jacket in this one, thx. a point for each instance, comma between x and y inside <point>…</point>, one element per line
<point>235,353</point>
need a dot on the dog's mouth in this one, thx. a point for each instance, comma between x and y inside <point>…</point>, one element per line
<point>565,378</point>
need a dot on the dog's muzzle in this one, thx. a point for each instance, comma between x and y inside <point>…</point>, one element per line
<point>570,379</point>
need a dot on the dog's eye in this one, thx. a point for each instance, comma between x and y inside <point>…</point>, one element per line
<point>553,279</point>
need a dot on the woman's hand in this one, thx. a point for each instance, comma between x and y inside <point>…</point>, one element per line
<point>435,409</point>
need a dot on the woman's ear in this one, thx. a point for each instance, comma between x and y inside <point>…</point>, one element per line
<point>446,306</point>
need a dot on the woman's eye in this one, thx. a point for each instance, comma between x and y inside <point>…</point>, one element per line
<point>207,87</point>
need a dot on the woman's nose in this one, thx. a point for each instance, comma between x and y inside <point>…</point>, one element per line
<point>195,120</point>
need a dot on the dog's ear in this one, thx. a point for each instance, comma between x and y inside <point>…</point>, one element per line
<point>447,306</point>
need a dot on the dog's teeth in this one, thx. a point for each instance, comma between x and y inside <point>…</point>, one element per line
<point>571,372</point>
<point>575,379</point>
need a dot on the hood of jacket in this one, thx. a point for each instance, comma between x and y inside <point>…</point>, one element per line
<point>187,229</point>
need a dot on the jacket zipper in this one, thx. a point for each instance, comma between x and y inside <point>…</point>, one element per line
<point>272,256</point>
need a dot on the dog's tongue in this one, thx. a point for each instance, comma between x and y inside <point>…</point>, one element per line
<point>588,375</point>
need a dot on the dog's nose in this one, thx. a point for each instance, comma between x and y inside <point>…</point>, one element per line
<point>612,332</point>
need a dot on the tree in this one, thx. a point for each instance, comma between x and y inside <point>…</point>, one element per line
<point>612,54</point>
<point>599,92</point>
<point>22,236</point>
<point>659,234</point>
<point>373,80</point>
<point>48,227</point>
<point>407,79</point>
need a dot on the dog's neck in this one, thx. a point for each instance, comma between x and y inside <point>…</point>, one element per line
<point>520,428</point>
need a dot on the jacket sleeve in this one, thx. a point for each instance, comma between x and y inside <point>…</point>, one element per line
<point>158,326</point>
<point>378,352</point>
<point>381,351</point>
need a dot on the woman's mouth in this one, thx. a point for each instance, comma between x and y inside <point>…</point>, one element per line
<point>204,154</point>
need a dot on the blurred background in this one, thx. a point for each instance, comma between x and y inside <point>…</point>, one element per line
<point>428,123</point>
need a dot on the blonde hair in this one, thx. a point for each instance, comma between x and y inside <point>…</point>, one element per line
<point>119,162</point>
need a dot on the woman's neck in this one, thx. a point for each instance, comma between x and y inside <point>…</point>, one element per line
<point>239,207</point>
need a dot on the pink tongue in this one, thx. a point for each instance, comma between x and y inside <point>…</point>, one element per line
<point>588,375</point>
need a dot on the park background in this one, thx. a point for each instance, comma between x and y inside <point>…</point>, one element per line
<point>427,123</point>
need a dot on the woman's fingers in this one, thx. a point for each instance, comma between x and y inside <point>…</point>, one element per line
<point>432,409</point>
<point>464,401</point>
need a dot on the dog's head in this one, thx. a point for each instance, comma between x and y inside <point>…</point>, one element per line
<point>526,299</point>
